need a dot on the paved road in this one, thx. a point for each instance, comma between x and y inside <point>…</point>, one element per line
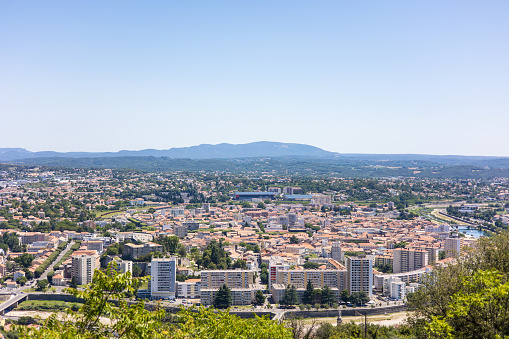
<point>8,303</point>
<point>50,267</point>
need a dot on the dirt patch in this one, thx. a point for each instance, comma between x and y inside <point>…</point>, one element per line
<point>45,315</point>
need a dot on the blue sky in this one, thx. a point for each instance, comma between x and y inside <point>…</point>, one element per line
<point>348,76</point>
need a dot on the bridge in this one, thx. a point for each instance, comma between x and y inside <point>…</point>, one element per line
<point>12,303</point>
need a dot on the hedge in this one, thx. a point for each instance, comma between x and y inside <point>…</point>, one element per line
<point>40,270</point>
<point>74,247</point>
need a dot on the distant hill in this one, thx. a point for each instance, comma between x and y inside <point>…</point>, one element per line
<point>299,166</point>
<point>205,151</point>
<point>265,156</point>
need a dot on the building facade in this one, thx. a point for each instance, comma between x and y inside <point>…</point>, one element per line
<point>409,259</point>
<point>83,267</point>
<point>359,274</point>
<point>163,278</point>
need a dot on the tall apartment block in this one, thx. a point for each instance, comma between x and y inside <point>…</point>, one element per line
<point>335,251</point>
<point>409,259</point>
<point>83,267</point>
<point>274,267</point>
<point>163,278</point>
<point>359,274</point>
<point>453,247</point>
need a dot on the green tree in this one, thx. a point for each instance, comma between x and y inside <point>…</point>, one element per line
<point>29,274</point>
<point>290,296</point>
<point>42,284</point>
<point>359,298</point>
<point>73,283</point>
<point>25,260</point>
<point>22,280</point>
<point>400,244</point>
<point>112,250</point>
<point>294,240</point>
<point>317,295</point>
<point>478,311</point>
<point>126,321</point>
<point>264,274</point>
<point>223,298</point>
<point>327,295</point>
<point>136,271</point>
<point>182,251</point>
<point>307,298</point>
<point>214,256</point>
<point>345,296</point>
<point>259,298</point>
<point>239,263</point>
<point>170,244</point>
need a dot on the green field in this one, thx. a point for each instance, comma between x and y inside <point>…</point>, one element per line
<point>46,305</point>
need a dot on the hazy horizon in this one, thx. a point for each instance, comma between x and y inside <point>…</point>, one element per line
<point>339,152</point>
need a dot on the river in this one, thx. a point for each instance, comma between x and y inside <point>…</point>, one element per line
<point>474,232</point>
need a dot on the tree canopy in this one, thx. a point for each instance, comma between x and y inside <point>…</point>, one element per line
<point>134,321</point>
<point>214,256</point>
<point>223,297</point>
<point>469,297</point>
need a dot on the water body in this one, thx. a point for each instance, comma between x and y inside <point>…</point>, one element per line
<point>474,232</point>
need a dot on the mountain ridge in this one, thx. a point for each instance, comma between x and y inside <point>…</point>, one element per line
<point>202,151</point>
<point>260,149</point>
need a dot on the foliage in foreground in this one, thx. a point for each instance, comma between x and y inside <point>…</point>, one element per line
<point>105,298</point>
<point>468,298</point>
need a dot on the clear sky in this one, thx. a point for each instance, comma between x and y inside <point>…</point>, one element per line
<point>347,76</point>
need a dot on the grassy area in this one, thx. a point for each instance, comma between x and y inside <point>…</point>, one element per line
<point>144,286</point>
<point>441,217</point>
<point>47,305</point>
<point>66,256</point>
<point>107,214</point>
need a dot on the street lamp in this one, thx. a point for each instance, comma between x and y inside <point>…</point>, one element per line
<point>365,322</point>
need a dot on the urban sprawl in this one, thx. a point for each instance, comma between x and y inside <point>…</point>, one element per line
<point>266,240</point>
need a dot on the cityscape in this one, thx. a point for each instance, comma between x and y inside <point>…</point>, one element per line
<point>254,170</point>
<point>269,244</point>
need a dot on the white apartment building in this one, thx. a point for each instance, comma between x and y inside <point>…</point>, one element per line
<point>335,279</point>
<point>83,267</point>
<point>359,274</point>
<point>189,288</point>
<point>396,288</point>
<point>162,278</point>
<point>438,229</point>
